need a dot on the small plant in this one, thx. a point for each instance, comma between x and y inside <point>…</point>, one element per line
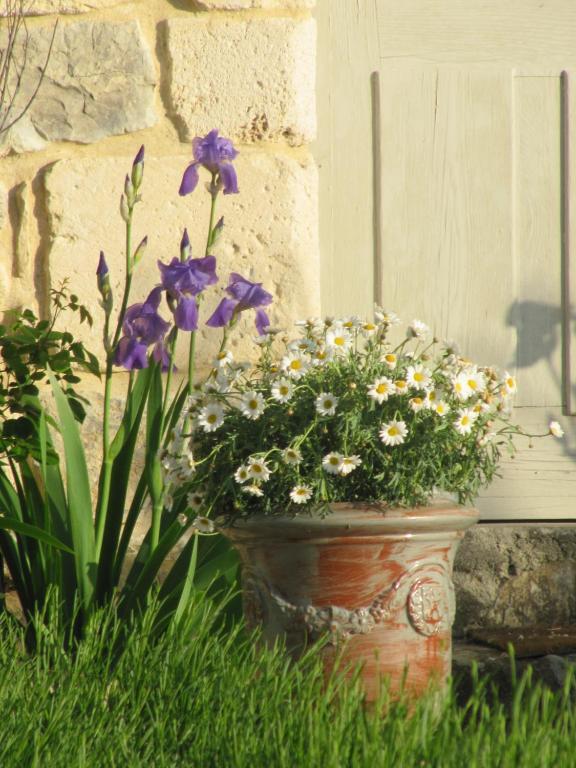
<point>344,412</point>
<point>29,349</point>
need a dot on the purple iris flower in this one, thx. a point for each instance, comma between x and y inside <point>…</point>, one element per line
<point>142,327</point>
<point>215,154</point>
<point>184,280</point>
<point>245,295</point>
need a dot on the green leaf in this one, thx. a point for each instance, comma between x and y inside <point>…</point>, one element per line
<point>26,529</point>
<point>188,582</point>
<point>78,496</point>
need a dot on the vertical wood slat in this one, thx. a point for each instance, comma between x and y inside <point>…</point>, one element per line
<point>377,187</point>
<point>347,35</point>
<point>568,276</point>
<point>446,203</point>
<point>536,313</point>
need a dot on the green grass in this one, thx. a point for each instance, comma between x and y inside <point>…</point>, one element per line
<point>203,696</point>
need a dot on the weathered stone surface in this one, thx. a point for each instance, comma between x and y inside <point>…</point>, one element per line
<point>270,234</point>
<point>253,79</point>
<point>45,7</point>
<point>237,5</point>
<point>3,205</point>
<point>512,576</point>
<point>550,670</point>
<point>99,82</point>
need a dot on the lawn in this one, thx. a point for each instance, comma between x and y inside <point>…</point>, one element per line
<point>202,695</point>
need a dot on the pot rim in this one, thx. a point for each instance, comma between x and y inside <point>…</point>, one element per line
<point>358,519</point>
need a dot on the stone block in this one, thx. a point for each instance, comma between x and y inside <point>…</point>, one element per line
<point>46,7</point>
<point>512,576</point>
<point>254,79</point>
<point>238,5</point>
<point>99,82</point>
<point>270,235</point>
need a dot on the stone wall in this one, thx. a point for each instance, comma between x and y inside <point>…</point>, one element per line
<point>158,73</point>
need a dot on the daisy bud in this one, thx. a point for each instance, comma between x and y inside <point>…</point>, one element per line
<point>555,429</point>
<point>352,385</point>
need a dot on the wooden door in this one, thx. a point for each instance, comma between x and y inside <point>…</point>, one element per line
<point>447,186</point>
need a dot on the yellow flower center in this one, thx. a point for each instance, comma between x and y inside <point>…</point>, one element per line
<point>418,376</point>
<point>295,365</point>
<point>211,418</point>
<point>393,431</point>
<point>339,341</point>
<point>256,468</point>
<point>382,389</point>
<point>472,383</point>
<point>253,405</point>
<point>334,460</point>
<point>465,420</point>
<point>284,390</point>
<point>390,358</point>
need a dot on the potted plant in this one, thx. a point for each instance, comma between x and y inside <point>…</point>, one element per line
<point>342,466</point>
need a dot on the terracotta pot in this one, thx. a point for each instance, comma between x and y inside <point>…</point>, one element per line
<point>378,581</point>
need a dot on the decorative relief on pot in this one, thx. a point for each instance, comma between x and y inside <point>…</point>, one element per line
<point>253,598</point>
<point>428,612</point>
<point>430,605</point>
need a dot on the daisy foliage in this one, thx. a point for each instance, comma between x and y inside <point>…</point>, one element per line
<point>342,413</point>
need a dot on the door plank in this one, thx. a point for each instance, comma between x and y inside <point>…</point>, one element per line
<point>446,204</point>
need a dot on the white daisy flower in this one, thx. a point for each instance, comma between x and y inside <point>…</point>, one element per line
<point>300,494</point>
<point>441,407</point>
<point>390,360</point>
<point>241,475</point>
<point>332,463</point>
<point>509,384</point>
<point>219,383</point>
<point>252,405</point>
<point>211,416</point>
<point>417,403</point>
<point>385,318</point>
<point>417,376</point>
<point>349,464</point>
<point>322,355</point>
<point>326,404</point>
<point>432,397</point>
<point>204,524</point>
<point>282,390</point>
<point>393,432</point>
<point>381,389</point>
<point>417,330</point>
<point>295,364</point>
<point>401,386</point>
<point>451,347</point>
<point>351,322</point>
<point>258,469</point>
<point>338,339</point>
<point>555,429</point>
<point>291,456</point>
<point>475,379</point>
<point>368,329</point>
<point>253,490</point>
<point>195,499</point>
<point>223,359</point>
<point>465,421</point>
<point>460,386</point>
<point>301,345</point>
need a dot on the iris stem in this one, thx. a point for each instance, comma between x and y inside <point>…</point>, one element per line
<point>106,474</point>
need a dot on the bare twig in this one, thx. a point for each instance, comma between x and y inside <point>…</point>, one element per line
<point>14,62</point>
